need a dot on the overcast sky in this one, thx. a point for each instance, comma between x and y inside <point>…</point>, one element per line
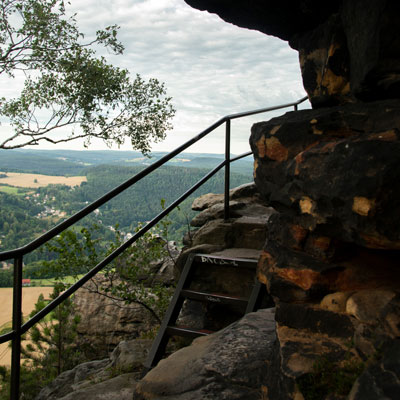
<point>210,68</point>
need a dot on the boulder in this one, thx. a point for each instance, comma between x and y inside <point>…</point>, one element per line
<point>230,364</point>
<point>65,382</point>
<point>105,322</point>
<point>118,388</point>
<point>381,380</point>
<point>109,379</point>
<point>355,148</point>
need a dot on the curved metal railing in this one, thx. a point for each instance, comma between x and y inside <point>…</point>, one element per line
<point>18,328</point>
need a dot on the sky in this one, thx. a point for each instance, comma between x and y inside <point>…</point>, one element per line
<point>210,68</point>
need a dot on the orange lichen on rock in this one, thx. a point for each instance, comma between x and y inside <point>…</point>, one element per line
<point>379,242</point>
<point>298,233</point>
<point>320,242</point>
<point>274,129</point>
<point>272,148</point>
<point>255,168</point>
<point>275,150</point>
<point>307,205</point>
<point>304,278</point>
<point>261,147</point>
<point>363,206</point>
<point>387,136</point>
<point>265,262</point>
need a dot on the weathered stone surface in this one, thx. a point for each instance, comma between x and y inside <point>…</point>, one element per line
<point>130,355</point>
<point>367,305</point>
<point>230,364</point>
<point>239,252</point>
<point>296,275</point>
<point>216,211</point>
<point>355,148</point>
<point>108,379</point>
<point>282,19</point>
<point>106,322</point>
<point>324,62</point>
<point>373,42</point>
<point>66,382</point>
<point>315,319</point>
<point>381,380</point>
<point>118,388</point>
<point>165,268</point>
<point>301,348</point>
<point>244,191</point>
<point>335,302</point>
<point>206,201</point>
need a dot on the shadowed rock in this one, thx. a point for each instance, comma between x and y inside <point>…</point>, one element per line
<point>230,364</point>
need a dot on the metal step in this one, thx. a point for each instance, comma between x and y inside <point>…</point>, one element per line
<point>219,261</point>
<point>214,297</point>
<point>182,292</point>
<point>186,331</point>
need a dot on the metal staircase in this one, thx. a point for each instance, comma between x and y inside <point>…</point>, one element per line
<point>184,291</point>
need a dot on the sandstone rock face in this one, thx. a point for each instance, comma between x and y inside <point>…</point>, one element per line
<point>330,260</point>
<point>109,379</point>
<point>331,173</point>
<point>337,167</point>
<point>348,49</point>
<point>106,322</point>
<point>231,364</point>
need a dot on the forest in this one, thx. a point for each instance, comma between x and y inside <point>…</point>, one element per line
<point>27,213</point>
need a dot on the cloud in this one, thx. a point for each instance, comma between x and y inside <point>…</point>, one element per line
<point>211,68</point>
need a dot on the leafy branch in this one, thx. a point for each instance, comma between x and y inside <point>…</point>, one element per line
<point>68,87</point>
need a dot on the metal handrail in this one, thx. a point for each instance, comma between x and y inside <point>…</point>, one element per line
<point>18,329</point>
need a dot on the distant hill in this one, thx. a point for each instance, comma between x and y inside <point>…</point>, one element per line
<point>75,162</point>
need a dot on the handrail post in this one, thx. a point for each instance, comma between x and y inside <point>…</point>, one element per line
<point>16,327</point>
<point>227,167</point>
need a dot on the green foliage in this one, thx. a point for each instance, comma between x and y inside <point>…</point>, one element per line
<point>18,224</point>
<point>4,382</point>
<point>330,377</point>
<point>75,253</point>
<point>49,348</point>
<point>6,278</point>
<point>66,81</point>
<point>130,278</point>
<point>52,346</point>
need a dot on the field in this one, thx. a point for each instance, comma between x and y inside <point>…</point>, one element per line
<point>29,298</point>
<point>10,190</point>
<point>37,180</point>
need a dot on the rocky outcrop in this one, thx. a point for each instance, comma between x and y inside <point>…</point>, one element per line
<point>348,49</point>
<point>334,167</point>
<point>109,379</point>
<point>231,364</point>
<point>106,320</point>
<point>330,260</point>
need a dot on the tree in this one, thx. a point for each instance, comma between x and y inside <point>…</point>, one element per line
<point>50,347</point>
<point>130,279</point>
<point>67,86</point>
